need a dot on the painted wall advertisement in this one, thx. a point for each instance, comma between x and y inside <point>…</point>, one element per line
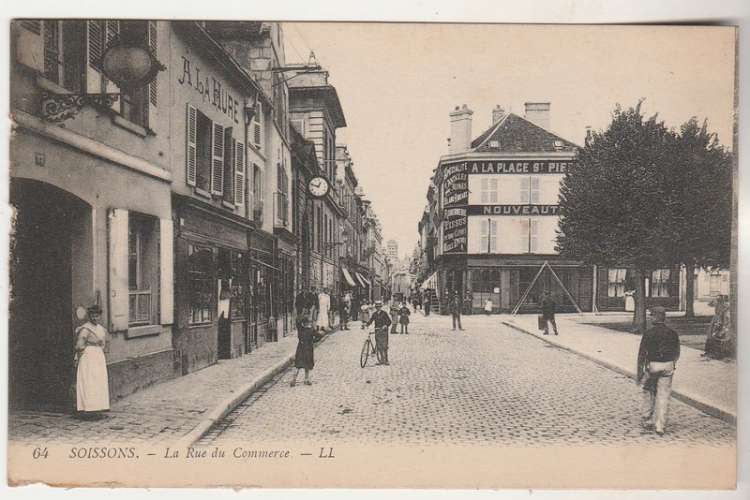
<point>455,197</point>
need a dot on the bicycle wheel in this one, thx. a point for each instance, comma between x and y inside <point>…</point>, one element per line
<point>365,353</point>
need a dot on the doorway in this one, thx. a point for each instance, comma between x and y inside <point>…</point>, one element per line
<point>48,223</point>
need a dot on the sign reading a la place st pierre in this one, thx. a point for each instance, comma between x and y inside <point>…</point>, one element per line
<point>508,167</point>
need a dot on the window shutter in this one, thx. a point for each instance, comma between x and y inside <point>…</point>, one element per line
<point>95,30</point>
<point>118,270</point>
<point>217,159</point>
<point>533,189</point>
<point>113,31</point>
<point>239,174</point>
<point>153,87</point>
<point>30,44</point>
<point>166,266</point>
<point>191,127</point>
<point>252,169</point>
<point>258,125</point>
<point>525,185</point>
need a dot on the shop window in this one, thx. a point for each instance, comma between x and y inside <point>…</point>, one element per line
<point>616,282</point>
<point>489,190</point>
<point>530,190</point>
<point>488,239</point>
<point>232,271</point>
<point>143,269</point>
<point>200,270</point>
<point>660,283</point>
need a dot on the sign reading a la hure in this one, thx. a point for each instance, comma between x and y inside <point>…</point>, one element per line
<point>210,89</point>
<point>510,167</point>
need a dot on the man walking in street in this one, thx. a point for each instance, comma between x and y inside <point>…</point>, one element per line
<point>548,312</point>
<point>455,309</point>
<point>382,322</point>
<point>657,360</point>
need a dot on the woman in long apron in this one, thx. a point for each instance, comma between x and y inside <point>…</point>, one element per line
<point>92,382</point>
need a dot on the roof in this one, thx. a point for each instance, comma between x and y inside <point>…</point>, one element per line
<point>329,96</point>
<point>516,134</point>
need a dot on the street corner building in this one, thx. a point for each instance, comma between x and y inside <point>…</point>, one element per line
<point>488,230</point>
<point>180,204</point>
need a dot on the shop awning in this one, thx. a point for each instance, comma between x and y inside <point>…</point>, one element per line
<point>430,282</point>
<point>365,281</point>
<point>348,277</point>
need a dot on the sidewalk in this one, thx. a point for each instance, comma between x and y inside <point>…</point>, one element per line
<point>707,384</point>
<point>176,410</point>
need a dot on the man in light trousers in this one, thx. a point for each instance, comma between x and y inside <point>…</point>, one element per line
<point>657,360</point>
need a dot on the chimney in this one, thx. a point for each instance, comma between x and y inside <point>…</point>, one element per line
<point>538,113</point>
<point>460,139</point>
<point>497,114</point>
<point>588,135</point>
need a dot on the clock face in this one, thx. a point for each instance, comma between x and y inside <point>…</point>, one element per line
<point>318,186</point>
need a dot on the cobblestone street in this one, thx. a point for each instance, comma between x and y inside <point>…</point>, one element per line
<point>488,385</point>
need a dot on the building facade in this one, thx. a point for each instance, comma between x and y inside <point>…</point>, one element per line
<point>79,236</point>
<point>493,204</point>
<point>316,113</point>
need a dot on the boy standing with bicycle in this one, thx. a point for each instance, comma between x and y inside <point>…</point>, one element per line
<point>382,322</point>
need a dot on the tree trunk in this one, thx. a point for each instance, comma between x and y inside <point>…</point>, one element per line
<point>689,291</point>
<point>639,315</point>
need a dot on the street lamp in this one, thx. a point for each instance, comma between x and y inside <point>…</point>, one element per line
<point>129,65</point>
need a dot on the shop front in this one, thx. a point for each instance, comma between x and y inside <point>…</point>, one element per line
<point>212,285</point>
<point>262,272</point>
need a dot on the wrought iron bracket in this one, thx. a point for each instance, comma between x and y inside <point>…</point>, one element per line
<point>60,107</point>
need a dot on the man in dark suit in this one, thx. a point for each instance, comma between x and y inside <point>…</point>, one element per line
<point>548,312</point>
<point>657,360</point>
<point>454,307</point>
<point>382,322</point>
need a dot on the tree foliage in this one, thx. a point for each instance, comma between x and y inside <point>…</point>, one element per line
<point>646,197</point>
<point>612,198</point>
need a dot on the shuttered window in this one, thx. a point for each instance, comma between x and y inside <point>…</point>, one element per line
<point>488,240</point>
<point>530,190</point>
<point>95,43</point>
<point>217,159</point>
<point>191,161</point>
<point>258,126</point>
<point>489,190</point>
<point>239,173</point>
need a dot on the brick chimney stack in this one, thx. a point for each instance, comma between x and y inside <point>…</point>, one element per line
<point>538,113</point>
<point>460,139</point>
<point>497,114</point>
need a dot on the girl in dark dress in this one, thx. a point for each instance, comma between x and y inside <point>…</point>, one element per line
<point>304,355</point>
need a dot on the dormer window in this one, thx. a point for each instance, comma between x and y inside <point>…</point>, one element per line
<point>495,144</point>
<point>558,144</point>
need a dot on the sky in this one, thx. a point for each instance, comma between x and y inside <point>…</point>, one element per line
<point>397,83</point>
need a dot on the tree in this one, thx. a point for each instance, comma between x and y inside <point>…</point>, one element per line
<point>613,199</point>
<point>700,208</point>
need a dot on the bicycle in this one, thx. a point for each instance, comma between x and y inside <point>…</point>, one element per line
<point>367,349</point>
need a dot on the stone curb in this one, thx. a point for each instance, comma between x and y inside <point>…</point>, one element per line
<point>226,406</point>
<point>682,395</point>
